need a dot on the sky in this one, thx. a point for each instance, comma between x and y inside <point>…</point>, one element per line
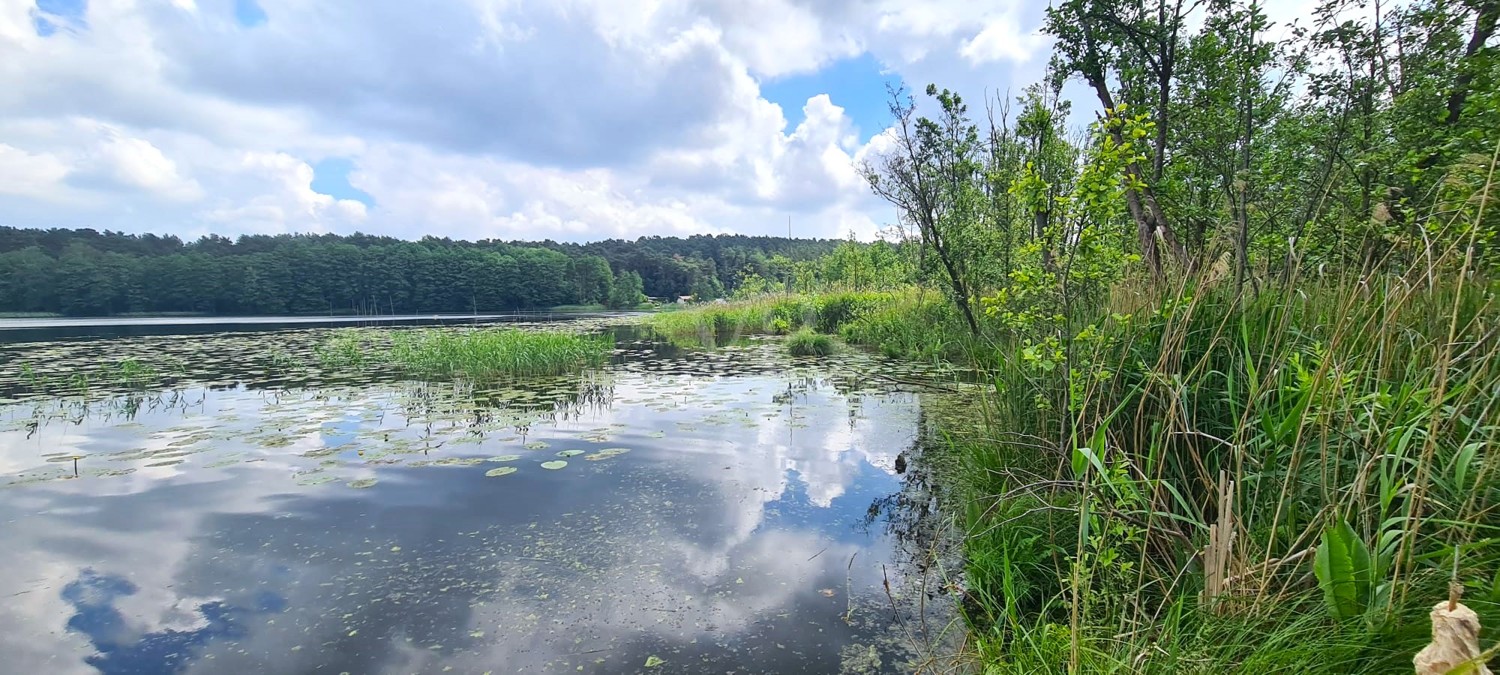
<point>572,120</point>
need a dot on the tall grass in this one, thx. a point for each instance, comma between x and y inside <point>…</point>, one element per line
<point>710,325</point>
<point>807,343</point>
<point>901,323</point>
<point>476,354</point>
<point>1158,502</point>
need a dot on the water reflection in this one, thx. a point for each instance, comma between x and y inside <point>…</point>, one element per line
<point>216,530</point>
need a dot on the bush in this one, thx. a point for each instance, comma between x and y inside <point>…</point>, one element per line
<point>807,343</point>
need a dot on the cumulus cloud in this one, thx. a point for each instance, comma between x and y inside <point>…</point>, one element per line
<point>573,120</point>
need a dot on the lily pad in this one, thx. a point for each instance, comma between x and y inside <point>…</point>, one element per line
<point>503,458</point>
<point>554,464</point>
<point>570,453</point>
<point>317,478</point>
<point>501,471</point>
<point>606,454</point>
<point>537,445</point>
<point>363,483</point>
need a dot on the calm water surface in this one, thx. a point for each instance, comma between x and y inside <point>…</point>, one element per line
<point>734,511</point>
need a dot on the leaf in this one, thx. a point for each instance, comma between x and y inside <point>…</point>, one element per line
<point>654,661</point>
<point>1342,565</point>
<point>1082,458</point>
<point>1461,464</point>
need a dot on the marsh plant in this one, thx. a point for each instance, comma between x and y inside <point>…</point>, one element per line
<point>808,343</point>
<point>470,353</point>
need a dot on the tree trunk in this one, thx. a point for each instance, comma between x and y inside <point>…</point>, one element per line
<point>1145,210</point>
<point>1484,27</point>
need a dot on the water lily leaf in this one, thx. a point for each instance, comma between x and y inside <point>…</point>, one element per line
<point>314,478</point>
<point>501,471</point>
<point>503,458</point>
<point>363,483</point>
<point>554,464</point>
<point>570,453</point>
<point>606,454</point>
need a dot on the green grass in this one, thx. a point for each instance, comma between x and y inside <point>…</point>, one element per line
<point>807,343</point>
<point>1089,487</point>
<point>900,323</point>
<point>711,325</point>
<point>135,374</point>
<point>474,354</point>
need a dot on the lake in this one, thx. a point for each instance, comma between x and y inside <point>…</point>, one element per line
<point>679,511</point>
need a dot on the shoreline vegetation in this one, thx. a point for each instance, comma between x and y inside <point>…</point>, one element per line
<point>1353,415</point>
<point>472,354</point>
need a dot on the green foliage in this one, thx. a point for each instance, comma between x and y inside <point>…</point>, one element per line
<point>84,272</point>
<point>1317,398</point>
<point>910,325</point>
<point>625,291</point>
<point>592,279</point>
<point>807,343</point>
<point>1342,565</point>
<point>481,354</point>
<point>133,373</point>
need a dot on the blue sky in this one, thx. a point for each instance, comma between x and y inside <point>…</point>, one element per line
<point>331,177</point>
<point>571,120</point>
<point>249,13</point>
<point>857,84</point>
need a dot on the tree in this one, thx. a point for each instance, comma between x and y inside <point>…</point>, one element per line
<point>928,176</point>
<point>592,279</point>
<point>1098,39</point>
<point>625,292</point>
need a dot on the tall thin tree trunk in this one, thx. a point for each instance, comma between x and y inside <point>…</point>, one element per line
<point>1150,221</point>
<point>1484,27</point>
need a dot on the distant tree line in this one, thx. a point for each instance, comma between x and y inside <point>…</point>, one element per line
<point>83,272</point>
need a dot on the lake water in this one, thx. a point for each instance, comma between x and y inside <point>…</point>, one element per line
<point>727,511</point>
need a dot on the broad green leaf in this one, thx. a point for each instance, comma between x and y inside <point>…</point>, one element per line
<point>1342,565</point>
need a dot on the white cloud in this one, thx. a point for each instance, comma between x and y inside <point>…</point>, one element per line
<point>576,119</point>
<point>25,173</point>
<point>136,163</point>
<point>282,199</point>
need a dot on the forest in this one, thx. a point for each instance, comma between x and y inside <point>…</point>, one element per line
<point>81,272</point>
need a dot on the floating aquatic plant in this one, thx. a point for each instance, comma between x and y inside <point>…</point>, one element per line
<point>554,464</point>
<point>501,471</point>
<point>606,454</point>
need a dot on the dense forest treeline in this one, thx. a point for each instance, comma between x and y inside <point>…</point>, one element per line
<point>83,272</point>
